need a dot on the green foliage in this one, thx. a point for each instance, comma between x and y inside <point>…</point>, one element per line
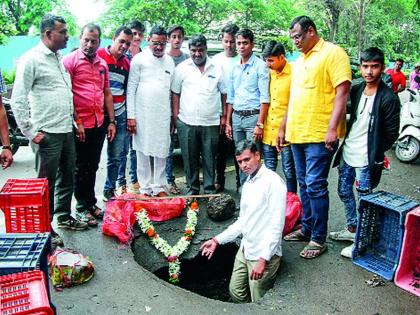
<point>267,18</point>
<point>9,76</point>
<point>195,15</point>
<point>20,15</point>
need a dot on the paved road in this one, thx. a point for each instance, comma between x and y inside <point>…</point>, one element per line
<point>328,285</point>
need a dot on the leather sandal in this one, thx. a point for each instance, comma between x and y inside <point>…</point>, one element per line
<point>313,250</point>
<point>96,212</point>
<point>296,236</point>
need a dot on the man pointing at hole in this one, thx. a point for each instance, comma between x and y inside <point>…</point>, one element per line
<point>260,222</point>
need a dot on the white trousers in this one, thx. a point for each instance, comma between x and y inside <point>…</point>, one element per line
<point>151,184</point>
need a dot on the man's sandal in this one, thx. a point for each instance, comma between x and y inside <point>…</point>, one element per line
<point>96,212</point>
<point>86,216</point>
<point>296,236</point>
<point>312,250</point>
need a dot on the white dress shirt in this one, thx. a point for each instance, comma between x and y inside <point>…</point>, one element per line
<point>42,98</point>
<point>261,218</point>
<point>200,92</point>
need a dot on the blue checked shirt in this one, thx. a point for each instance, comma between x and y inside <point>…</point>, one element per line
<point>3,88</point>
<point>248,85</point>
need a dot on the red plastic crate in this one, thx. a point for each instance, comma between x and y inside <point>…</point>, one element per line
<point>407,276</point>
<point>25,204</point>
<point>24,293</point>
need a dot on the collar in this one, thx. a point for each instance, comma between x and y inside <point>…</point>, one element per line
<point>109,53</point>
<point>318,46</point>
<point>257,175</point>
<point>209,63</point>
<point>286,70</point>
<point>44,49</point>
<point>250,61</point>
<point>81,55</point>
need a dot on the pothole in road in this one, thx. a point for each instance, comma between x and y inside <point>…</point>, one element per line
<point>209,278</point>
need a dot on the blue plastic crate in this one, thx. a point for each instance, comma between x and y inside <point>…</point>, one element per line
<point>24,252</point>
<point>380,231</point>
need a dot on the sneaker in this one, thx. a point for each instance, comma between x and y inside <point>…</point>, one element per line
<point>72,224</point>
<point>173,189</point>
<point>347,251</point>
<point>343,235</point>
<point>120,190</point>
<point>133,188</point>
<point>108,194</point>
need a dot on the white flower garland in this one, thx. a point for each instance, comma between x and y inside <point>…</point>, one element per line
<point>172,254</point>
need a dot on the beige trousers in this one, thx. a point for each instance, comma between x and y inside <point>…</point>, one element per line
<point>241,288</point>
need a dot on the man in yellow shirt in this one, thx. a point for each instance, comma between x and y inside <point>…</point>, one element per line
<point>280,78</point>
<point>315,120</point>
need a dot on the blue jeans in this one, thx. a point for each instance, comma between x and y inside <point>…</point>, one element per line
<point>243,128</point>
<point>132,172</point>
<point>313,162</point>
<point>116,152</point>
<point>347,175</point>
<point>169,168</point>
<point>287,163</point>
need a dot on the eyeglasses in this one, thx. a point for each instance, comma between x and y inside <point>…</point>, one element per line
<point>162,44</point>
<point>298,36</point>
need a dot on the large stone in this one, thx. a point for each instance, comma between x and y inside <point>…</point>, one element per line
<point>221,208</point>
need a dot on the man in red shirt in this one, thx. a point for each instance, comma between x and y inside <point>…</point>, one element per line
<point>397,76</point>
<point>91,91</point>
<point>119,67</point>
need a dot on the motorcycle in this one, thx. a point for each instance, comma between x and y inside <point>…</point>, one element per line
<point>408,143</point>
<point>16,136</point>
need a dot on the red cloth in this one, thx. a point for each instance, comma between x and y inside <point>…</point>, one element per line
<point>88,83</point>
<point>398,78</point>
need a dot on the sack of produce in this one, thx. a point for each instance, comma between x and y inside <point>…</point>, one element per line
<point>69,268</point>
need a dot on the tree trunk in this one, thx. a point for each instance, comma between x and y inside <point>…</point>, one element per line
<point>362,9</point>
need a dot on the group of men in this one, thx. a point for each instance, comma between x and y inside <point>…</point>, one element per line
<point>304,120</point>
<point>137,99</point>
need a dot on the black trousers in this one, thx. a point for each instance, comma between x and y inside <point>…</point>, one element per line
<point>88,155</point>
<point>225,148</point>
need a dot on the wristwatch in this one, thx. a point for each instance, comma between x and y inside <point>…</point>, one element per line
<point>260,125</point>
<point>7,147</point>
<point>112,122</point>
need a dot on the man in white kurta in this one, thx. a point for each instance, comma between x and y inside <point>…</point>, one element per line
<point>149,111</point>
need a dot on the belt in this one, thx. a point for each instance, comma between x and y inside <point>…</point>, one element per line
<point>246,112</point>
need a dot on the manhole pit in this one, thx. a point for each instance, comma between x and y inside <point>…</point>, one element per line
<point>208,278</point>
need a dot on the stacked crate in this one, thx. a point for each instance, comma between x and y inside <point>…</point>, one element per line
<point>25,247</point>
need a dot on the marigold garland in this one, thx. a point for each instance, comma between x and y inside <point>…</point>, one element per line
<point>172,254</point>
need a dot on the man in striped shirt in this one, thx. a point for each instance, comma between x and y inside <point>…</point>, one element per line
<point>119,67</point>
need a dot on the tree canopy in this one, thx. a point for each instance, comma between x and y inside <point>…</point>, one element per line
<point>18,16</point>
<point>394,26</point>
<point>354,24</point>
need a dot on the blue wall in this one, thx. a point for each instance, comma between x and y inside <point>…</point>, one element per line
<point>17,45</point>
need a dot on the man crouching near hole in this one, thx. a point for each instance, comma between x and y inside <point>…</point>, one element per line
<point>260,221</point>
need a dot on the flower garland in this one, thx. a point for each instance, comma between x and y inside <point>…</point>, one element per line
<point>172,254</point>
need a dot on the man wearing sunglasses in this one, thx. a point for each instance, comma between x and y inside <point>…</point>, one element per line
<point>315,121</point>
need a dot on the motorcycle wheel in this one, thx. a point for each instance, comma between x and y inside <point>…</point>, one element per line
<point>410,153</point>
